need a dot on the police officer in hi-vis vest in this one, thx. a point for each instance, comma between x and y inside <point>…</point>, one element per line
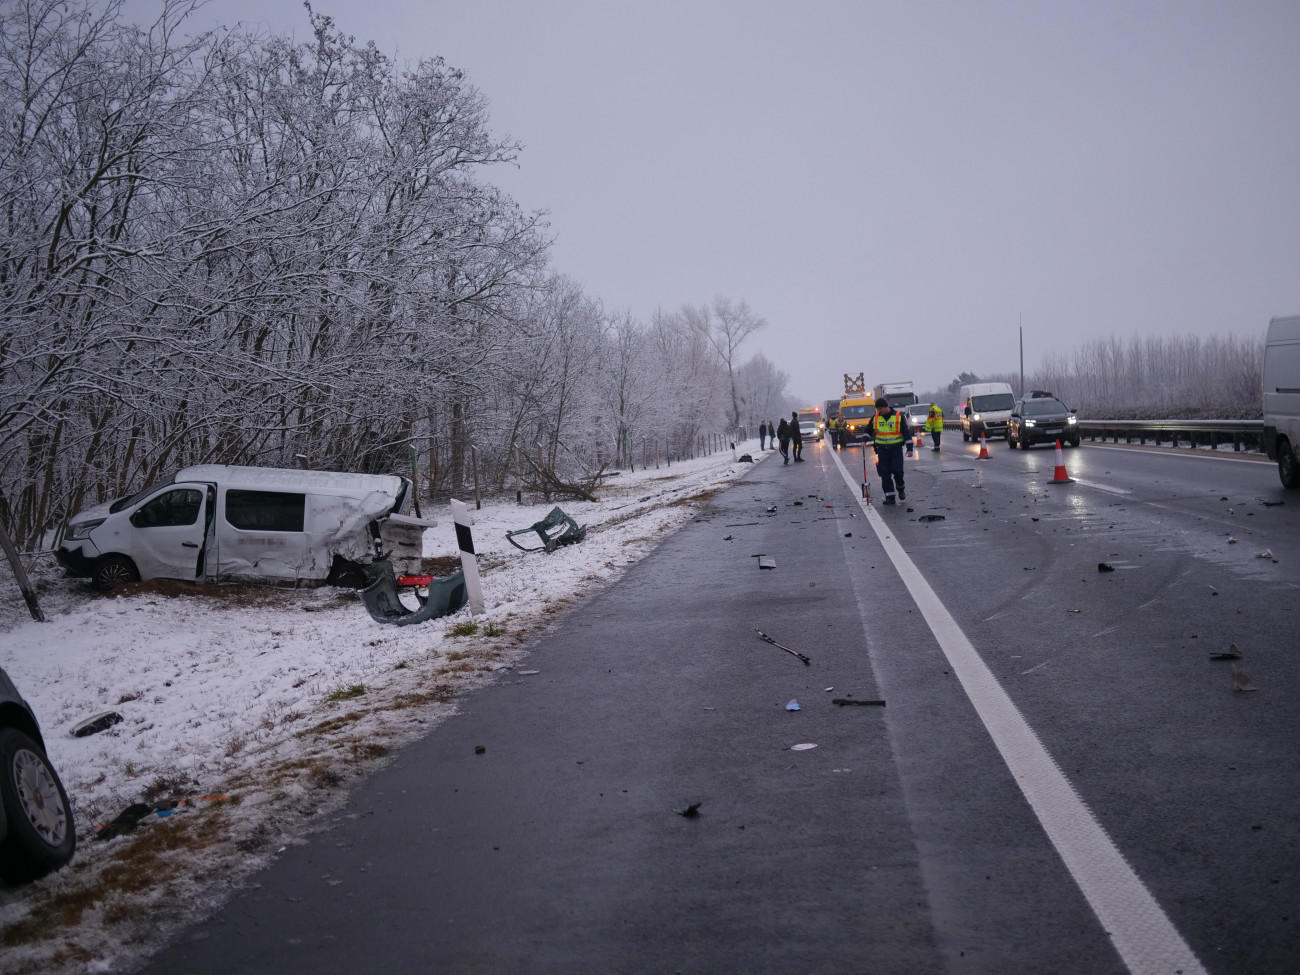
<point>934,424</point>
<point>891,432</point>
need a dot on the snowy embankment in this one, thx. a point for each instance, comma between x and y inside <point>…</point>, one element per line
<point>257,707</point>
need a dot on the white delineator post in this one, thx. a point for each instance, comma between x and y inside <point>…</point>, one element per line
<point>468,561</point>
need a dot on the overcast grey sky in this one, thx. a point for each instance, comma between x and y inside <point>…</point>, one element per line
<point>893,186</point>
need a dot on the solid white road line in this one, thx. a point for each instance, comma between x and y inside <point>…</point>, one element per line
<point>1142,933</point>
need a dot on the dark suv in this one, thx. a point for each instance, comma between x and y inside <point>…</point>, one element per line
<point>37,833</point>
<point>1042,419</point>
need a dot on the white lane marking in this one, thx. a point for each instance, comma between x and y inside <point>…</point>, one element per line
<point>1102,487</point>
<point>1142,933</point>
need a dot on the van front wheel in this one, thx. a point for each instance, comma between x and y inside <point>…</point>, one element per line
<point>112,571</point>
<point>1288,468</point>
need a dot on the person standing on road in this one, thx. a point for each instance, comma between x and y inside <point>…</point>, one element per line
<point>934,425</point>
<point>762,435</point>
<point>833,425</point>
<point>796,437</point>
<point>783,435</point>
<point>890,431</point>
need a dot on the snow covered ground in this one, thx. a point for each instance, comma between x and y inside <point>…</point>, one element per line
<point>259,707</point>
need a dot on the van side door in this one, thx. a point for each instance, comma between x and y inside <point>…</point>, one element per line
<point>167,532</point>
<point>260,534</point>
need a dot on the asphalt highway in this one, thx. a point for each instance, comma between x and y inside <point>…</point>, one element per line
<point>1061,778</point>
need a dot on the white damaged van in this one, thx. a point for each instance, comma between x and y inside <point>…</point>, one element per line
<point>218,523</point>
<point>1282,397</point>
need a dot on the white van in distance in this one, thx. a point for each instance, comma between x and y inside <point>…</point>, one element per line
<point>214,523</point>
<point>985,408</point>
<point>1282,397</point>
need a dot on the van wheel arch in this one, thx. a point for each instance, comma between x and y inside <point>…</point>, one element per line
<point>113,570</point>
<point>1288,468</point>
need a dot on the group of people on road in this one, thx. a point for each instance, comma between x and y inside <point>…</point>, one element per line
<point>784,436</point>
<point>892,436</point>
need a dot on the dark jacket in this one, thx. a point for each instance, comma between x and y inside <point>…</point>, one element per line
<point>783,431</point>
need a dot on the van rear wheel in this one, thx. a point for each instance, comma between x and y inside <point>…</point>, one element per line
<point>112,571</point>
<point>1288,469</point>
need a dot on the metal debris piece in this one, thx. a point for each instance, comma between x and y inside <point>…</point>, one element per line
<point>801,656</point>
<point>854,700</point>
<point>1232,653</point>
<point>689,807</point>
<point>1240,682</point>
<point>1264,553</point>
<point>1105,567</point>
<point>554,530</point>
<point>766,562</point>
<point>93,726</point>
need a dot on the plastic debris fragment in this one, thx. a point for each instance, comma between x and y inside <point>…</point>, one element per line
<point>792,705</point>
<point>100,722</point>
<point>805,746</point>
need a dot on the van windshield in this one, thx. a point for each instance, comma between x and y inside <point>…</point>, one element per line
<point>992,402</point>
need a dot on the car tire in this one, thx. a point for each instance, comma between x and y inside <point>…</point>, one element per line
<point>42,835</point>
<point>1074,442</point>
<point>1288,469</point>
<point>112,571</point>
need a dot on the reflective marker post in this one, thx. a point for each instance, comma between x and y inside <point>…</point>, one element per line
<point>468,561</point>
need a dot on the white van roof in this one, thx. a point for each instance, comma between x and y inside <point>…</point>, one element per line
<point>288,479</point>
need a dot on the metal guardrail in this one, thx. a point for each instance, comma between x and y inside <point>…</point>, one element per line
<point>1242,434</point>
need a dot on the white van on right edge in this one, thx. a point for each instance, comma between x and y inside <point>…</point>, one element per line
<point>985,408</point>
<point>1282,397</point>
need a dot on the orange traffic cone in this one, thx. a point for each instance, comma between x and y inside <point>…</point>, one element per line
<point>1060,477</point>
<point>984,446</point>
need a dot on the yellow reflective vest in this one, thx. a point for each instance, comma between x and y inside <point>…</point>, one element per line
<point>888,430</point>
<point>934,420</point>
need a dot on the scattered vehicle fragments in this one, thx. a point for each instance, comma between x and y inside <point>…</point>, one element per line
<point>767,638</point>
<point>853,700</point>
<point>554,530</point>
<point>37,832</point>
<point>95,724</point>
<point>436,597</point>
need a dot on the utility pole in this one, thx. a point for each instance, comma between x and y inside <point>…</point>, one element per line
<point>1022,355</point>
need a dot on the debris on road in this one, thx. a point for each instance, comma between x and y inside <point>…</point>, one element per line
<point>801,656</point>
<point>480,749</point>
<point>792,705</point>
<point>1105,567</point>
<point>932,518</point>
<point>805,746</point>
<point>745,459</point>
<point>1240,682</point>
<point>93,726</point>
<point>853,700</point>
<point>689,808</point>
<point>1232,653</point>
<point>1265,553</point>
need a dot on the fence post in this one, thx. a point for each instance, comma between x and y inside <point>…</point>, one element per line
<point>473,461</point>
<point>468,560</point>
<point>24,584</point>
<point>519,478</point>
<point>656,453</point>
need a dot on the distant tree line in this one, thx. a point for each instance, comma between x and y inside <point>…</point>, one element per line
<point>241,249</point>
<point>1184,376</point>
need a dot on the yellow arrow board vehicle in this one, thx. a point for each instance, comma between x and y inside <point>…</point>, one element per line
<point>857,407</point>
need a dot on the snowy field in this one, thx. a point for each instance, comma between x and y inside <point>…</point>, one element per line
<point>256,708</point>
